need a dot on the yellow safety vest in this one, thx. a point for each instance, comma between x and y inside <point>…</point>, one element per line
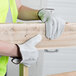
<point>4,7</point>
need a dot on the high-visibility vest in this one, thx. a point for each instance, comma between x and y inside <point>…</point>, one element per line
<point>4,7</point>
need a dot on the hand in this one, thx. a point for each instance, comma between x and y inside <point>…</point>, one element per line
<point>29,52</point>
<point>54,25</point>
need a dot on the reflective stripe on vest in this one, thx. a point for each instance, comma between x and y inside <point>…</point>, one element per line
<point>4,10</point>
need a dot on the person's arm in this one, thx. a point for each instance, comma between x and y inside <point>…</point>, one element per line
<point>8,49</point>
<point>26,13</point>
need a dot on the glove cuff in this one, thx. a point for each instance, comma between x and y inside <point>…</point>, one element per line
<point>42,10</point>
<point>38,14</point>
<point>17,60</point>
<point>19,53</point>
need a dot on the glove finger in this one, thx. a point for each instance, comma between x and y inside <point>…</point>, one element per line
<point>49,28</point>
<point>62,28</point>
<point>61,24</point>
<point>31,60</point>
<point>29,63</point>
<point>44,18</point>
<point>26,64</point>
<point>58,28</point>
<point>54,30</point>
<point>35,40</point>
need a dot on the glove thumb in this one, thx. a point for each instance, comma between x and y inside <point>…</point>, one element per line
<point>35,40</point>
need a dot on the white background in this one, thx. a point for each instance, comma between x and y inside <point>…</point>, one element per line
<point>67,10</point>
<point>64,8</point>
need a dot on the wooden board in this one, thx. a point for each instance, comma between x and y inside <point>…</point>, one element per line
<point>65,74</point>
<point>21,32</point>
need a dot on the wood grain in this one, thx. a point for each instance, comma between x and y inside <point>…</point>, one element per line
<point>65,74</point>
<point>20,32</point>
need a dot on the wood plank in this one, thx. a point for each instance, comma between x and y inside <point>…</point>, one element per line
<point>21,32</point>
<point>65,74</point>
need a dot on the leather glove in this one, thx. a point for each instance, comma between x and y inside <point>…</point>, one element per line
<point>54,25</point>
<point>29,52</point>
